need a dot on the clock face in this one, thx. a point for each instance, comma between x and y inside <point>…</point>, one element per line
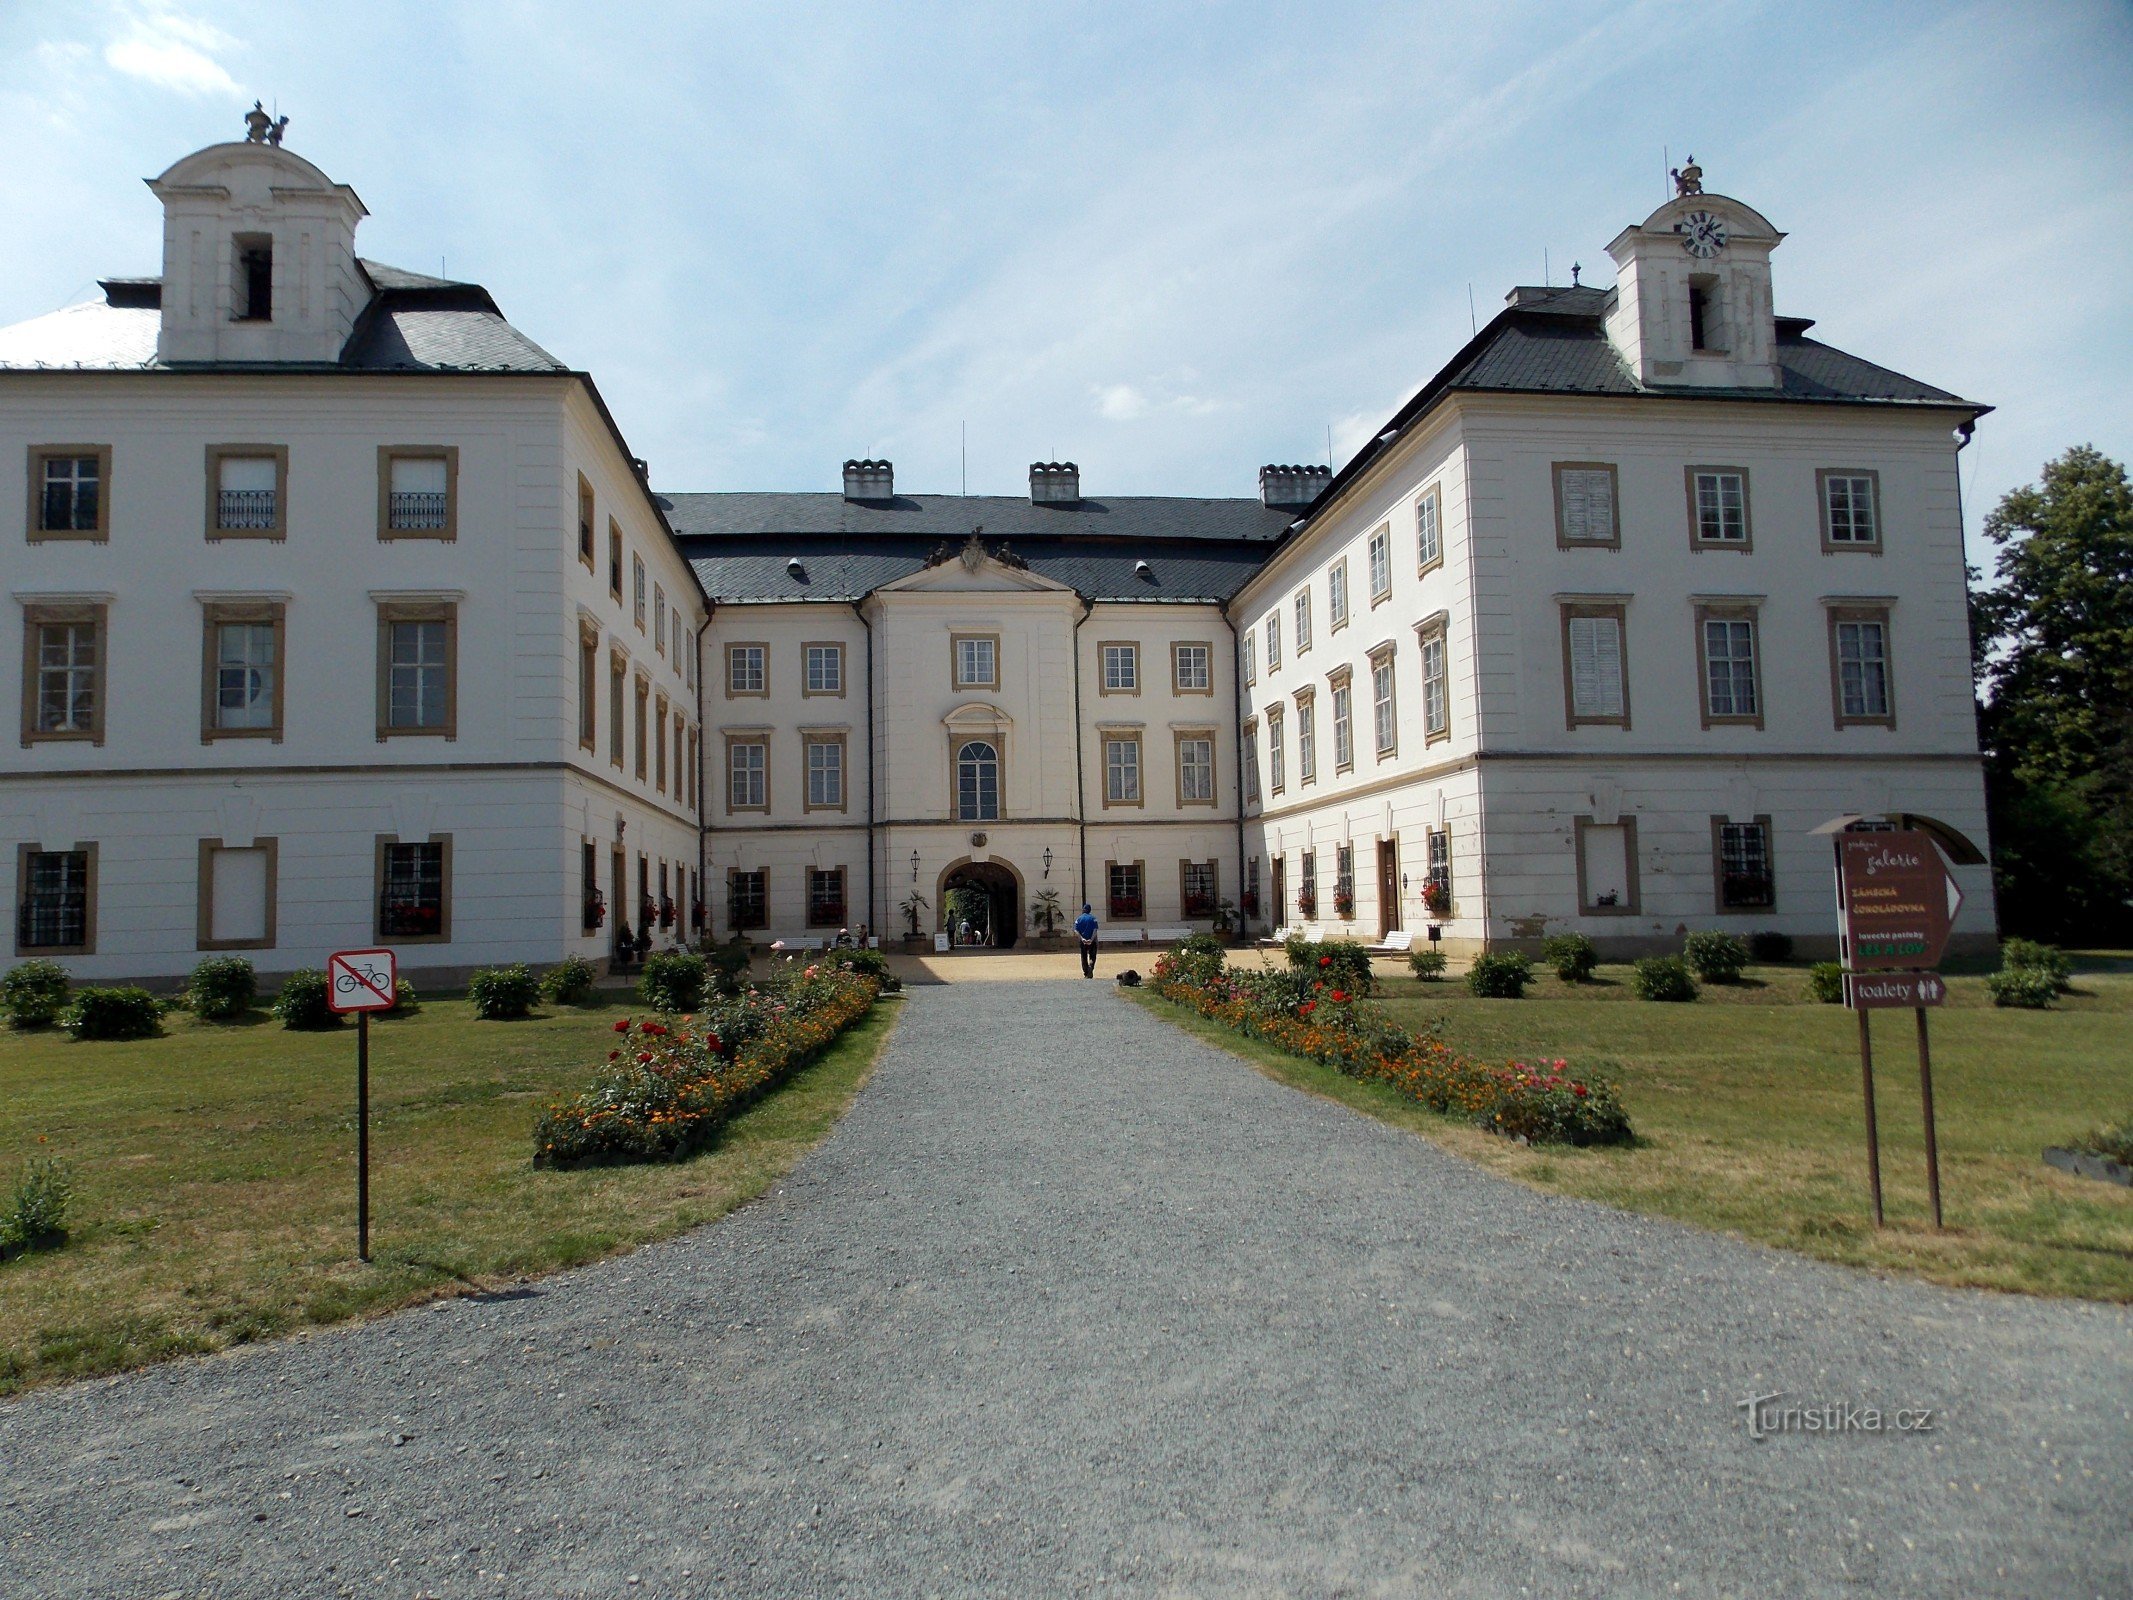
<point>1702,234</point>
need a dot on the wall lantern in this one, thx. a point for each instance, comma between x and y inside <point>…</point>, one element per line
<point>914,866</point>
<point>1047,861</point>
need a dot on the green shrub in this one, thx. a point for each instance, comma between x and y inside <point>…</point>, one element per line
<point>673,981</point>
<point>36,1215</point>
<point>123,1013</point>
<point>302,1003</point>
<point>1574,957</point>
<point>1542,1104</point>
<point>1428,963</point>
<point>871,963</point>
<point>1717,957</point>
<point>222,987</point>
<point>34,993</point>
<point>1499,977</point>
<point>1203,944</point>
<point>503,994</point>
<point>2027,955</point>
<point>728,963</point>
<point>570,982</point>
<point>2025,988</point>
<point>1825,983</point>
<point>405,1001</point>
<point>1768,948</point>
<point>1664,978</point>
<point>1341,962</point>
<point>2111,1140</point>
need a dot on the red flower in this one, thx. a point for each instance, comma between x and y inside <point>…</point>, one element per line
<point>1578,1089</point>
<point>643,1056</point>
<point>1340,994</point>
<point>614,1055</point>
<point>1307,1008</point>
<point>623,1026</point>
<point>1325,961</point>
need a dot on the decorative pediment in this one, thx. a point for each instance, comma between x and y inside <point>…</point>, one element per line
<point>977,717</point>
<point>973,567</point>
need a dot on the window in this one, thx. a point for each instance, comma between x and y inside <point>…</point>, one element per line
<point>1197,893</point>
<point>696,767</point>
<point>1127,903</point>
<point>414,891</point>
<point>1381,563</point>
<point>1344,881</point>
<point>242,691</point>
<point>659,618</point>
<point>417,644</point>
<point>1273,641</point>
<point>1429,530</point>
<point>1196,769</point>
<point>1192,668</point>
<point>1122,668</point>
<point>55,901</point>
<point>1307,885</point>
<point>1251,763</point>
<point>1607,867</point>
<point>1595,673</point>
<point>1437,875</point>
<point>1740,855</point>
<point>1718,508</point>
<point>825,669</point>
<point>63,672</point>
<point>591,903</point>
<point>1343,723</point>
<point>1276,766</point>
<point>640,713</point>
<point>1337,595</point>
<point>825,772</point>
<point>1859,652</point>
<point>1727,637</point>
<point>614,559</point>
<point>1306,738</point>
<point>747,669</point>
<point>252,278</point>
<point>1303,620</point>
<point>639,590</point>
<point>1251,658</point>
<point>681,758</point>
<point>825,897</point>
<point>747,900</point>
<point>1587,505</point>
<point>747,775</point>
<point>588,686</point>
<point>1383,722</point>
<point>659,740</point>
<point>1703,314</point>
<point>618,673</point>
<point>1248,902</point>
<point>1851,509</point>
<point>236,895</point>
<point>977,782</point>
<point>246,486</point>
<point>416,493</point>
<point>69,491</point>
<point>976,659</point>
<point>1122,769</point>
<point>586,521</point>
<point>1436,680</point>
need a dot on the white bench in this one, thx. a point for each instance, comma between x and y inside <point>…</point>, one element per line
<point>1120,935</point>
<point>1396,943</point>
<point>797,942</point>
<point>1312,933</point>
<point>1168,935</point>
<point>1281,935</point>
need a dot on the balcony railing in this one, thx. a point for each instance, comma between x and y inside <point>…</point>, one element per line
<point>416,510</point>
<point>245,509</point>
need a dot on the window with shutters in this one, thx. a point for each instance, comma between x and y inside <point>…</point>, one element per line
<point>1741,865</point>
<point>1429,530</point>
<point>1432,638</point>
<point>1306,737</point>
<point>1587,505</point>
<point>70,491</point>
<point>1718,508</point>
<point>1851,509</point>
<point>747,774</point>
<point>1343,698</point>
<point>1859,663</point>
<point>1595,664</point>
<point>1725,636</point>
<point>1337,595</point>
<point>1276,767</point>
<point>1381,563</point>
<point>1303,620</point>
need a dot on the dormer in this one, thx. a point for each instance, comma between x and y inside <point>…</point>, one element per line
<point>1692,293</point>
<point>258,257</point>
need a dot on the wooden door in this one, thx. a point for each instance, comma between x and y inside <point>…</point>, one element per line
<point>1280,910</point>
<point>1388,886</point>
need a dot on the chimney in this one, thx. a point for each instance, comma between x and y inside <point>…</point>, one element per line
<point>869,480</point>
<point>1054,483</point>
<point>1287,488</point>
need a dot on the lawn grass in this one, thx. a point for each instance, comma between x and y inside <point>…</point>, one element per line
<point>1749,1112</point>
<point>215,1175</point>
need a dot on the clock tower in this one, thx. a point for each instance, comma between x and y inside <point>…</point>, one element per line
<point>1692,293</point>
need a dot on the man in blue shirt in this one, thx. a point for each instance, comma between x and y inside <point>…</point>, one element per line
<point>1085,930</point>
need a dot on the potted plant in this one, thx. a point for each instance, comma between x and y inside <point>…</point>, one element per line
<point>1307,903</point>
<point>1344,903</point>
<point>1437,897</point>
<point>1046,913</point>
<point>912,907</point>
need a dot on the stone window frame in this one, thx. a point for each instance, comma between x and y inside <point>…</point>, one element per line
<point>1277,764</point>
<point>588,685</point>
<point>727,654</point>
<point>1385,655</point>
<point>417,608</point>
<point>1380,538</point>
<point>1337,584</point>
<point>1830,547</point>
<point>1883,612</point>
<point>56,611</point>
<point>1273,640</point>
<point>994,739</point>
<point>1140,872</point>
<point>661,758</point>
<point>87,947</point>
<point>1213,866</point>
<point>736,738</point>
<point>1106,737</point>
<point>681,755</point>
<point>1633,904</point>
<point>1746,543</point>
<point>449,455</point>
<point>1719,824</point>
<point>1306,702</point>
<point>205,925</point>
<point>640,592</point>
<point>659,619</point>
<point>443,935</point>
<point>1563,541</point>
<point>1616,611</point>
<point>1104,647</point>
<point>1248,643</point>
<point>1433,496</point>
<point>840,740</point>
<point>1249,735</point>
<point>1300,639</point>
<point>219,453</point>
<point>734,924</point>
<point>1178,738</point>
<point>588,521</point>
<point>1177,675</point>
<point>956,680</point>
<point>641,725</point>
<point>1340,684</point>
<point>843,878</point>
<point>618,683</point>
<point>1750,612</point>
<point>216,613</point>
<point>34,528</point>
<point>1435,629</point>
<point>807,666</point>
<point>614,560</point>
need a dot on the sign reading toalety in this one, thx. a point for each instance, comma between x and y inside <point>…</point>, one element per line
<point>1899,900</point>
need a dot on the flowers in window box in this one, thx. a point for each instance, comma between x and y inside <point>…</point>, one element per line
<point>666,913</point>
<point>1251,902</point>
<point>1344,903</point>
<point>1307,903</point>
<point>1199,905</point>
<point>1124,907</point>
<point>1437,897</point>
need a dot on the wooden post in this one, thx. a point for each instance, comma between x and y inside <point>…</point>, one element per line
<point>1925,1086</point>
<point>363,1135</point>
<point>1873,1136</point>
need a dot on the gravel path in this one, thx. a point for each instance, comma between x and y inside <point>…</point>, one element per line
<point>1072,1303</point>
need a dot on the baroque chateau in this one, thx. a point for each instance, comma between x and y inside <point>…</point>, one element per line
<point>348,617</point>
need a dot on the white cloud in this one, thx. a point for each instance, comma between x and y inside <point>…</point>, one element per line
<point>169,49</point>
<point>1120,402</point>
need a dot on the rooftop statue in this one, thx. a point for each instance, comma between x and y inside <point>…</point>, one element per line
<point>1687,180</point>
<point>259,128</point>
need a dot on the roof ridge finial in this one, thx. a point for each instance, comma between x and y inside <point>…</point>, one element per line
<point>259,128</point>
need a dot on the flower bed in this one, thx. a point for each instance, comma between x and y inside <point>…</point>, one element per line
<point>670,1084</point>
<point>1313,1017</point>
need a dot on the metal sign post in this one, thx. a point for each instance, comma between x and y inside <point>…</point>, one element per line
<point>362,981</point>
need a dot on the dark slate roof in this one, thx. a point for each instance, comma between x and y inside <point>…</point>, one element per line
<point>849,567</point>
<point>949,516</point>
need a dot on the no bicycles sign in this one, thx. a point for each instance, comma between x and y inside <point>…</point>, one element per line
<point>360,980</point>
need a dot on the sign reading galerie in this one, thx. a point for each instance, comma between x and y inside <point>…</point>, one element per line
<point>1899,900</point>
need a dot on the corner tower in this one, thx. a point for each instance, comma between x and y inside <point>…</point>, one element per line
<point>1692,293</point>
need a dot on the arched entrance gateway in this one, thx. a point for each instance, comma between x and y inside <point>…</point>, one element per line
<point>985,894</point>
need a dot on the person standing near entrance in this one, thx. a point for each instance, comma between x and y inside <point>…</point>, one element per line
<point>1085,930</point>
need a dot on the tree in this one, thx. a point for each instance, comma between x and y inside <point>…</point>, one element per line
<point>2054,663</point>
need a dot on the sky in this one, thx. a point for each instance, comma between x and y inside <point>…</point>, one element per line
<point>1168,241</point>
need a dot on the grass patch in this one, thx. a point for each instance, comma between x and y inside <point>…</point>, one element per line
<point>215,1176</point>
<point>1749,1118</point>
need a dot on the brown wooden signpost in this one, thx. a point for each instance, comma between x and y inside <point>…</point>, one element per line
<point>1896,902</point>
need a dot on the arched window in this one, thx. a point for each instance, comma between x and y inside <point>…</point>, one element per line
<point>977,782</point>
